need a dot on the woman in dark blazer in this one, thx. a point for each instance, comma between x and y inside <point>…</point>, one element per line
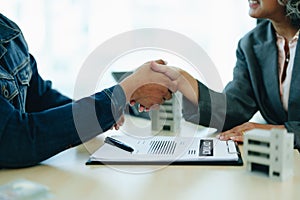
<point>266,77</point>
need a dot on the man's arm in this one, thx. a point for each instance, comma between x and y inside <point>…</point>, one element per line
<point>29,138</point>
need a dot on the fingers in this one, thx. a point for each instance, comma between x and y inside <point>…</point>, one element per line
<point>141,108</point>
<point>150,94</point>
<point>119,123</point>
<point>162,62</point>
<point>155,66</point>
<point>148,87</point>
<point>132,102</point>
<point>153,106</point>
<point>116,127</point>
<point>168,95</point>
<point>159,61</point>
<point>237,138</point>
<point>237,133</point>
<point>180,81</point>
<point>171,72</point>
<point>232,135</point>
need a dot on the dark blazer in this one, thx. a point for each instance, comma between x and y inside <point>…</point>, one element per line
<point>255,87</point>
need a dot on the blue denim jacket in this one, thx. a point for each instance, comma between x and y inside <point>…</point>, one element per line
<point>15,71</point>
<point>36,121</point>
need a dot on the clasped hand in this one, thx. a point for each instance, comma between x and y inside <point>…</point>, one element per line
<point>154,82</point>
<point>147,87</point>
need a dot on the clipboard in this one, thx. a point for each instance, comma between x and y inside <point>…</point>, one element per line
<point>168,150</point>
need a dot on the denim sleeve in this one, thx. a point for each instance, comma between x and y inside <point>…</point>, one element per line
<point>29,138</point>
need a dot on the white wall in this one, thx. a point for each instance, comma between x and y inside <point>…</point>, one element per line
<point>62,33</point>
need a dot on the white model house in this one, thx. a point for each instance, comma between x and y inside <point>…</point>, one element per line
<point>167,118</point>
<point>270,152</point>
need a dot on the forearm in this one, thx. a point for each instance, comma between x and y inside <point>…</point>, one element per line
<point>188,86</point>
<point>210,109</point>
<point>219,110</point>
<point>27,139</point>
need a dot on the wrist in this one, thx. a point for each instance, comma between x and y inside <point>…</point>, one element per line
<point>188,86</point>
<point>117,97</point>
<point>127,89</point>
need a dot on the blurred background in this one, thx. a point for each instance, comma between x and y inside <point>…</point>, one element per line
<point>62,33</point>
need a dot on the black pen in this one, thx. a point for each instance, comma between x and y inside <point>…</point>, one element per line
<point>117,143</point>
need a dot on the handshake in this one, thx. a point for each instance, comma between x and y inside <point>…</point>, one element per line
<point>154,82</point>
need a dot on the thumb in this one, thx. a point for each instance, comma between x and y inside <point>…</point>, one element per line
<point>171,72</point>
<point>161,61</point>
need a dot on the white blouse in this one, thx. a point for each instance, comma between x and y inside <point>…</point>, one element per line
<point>289,59</point>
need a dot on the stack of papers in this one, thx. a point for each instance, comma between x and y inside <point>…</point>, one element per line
<point>168,150</point>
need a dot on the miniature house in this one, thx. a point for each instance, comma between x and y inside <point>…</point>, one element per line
<point>270,152</point>
<point>167,118</point>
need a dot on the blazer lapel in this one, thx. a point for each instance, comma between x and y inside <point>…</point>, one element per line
<point>266,53</point>
<point>294,98</point>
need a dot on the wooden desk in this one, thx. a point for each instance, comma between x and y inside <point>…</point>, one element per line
<point>68,177</point>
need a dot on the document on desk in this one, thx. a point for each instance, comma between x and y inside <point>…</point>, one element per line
<point>168,150</point>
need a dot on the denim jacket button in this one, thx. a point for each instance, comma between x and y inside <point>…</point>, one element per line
<point>5,92</point>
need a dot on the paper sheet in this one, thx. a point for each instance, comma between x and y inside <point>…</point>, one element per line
<point>168,149</point>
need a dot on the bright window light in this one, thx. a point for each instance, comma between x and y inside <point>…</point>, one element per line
<point>62,33</point>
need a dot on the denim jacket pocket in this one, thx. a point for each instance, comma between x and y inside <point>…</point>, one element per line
<point>24,74</point>
<point>8,88</point>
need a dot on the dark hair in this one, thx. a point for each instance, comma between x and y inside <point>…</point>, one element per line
<point>292,8</point>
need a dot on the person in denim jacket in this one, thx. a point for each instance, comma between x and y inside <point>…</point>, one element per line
<point>37,122</point>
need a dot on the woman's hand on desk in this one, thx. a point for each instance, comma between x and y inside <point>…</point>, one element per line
<point>237,133</point>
